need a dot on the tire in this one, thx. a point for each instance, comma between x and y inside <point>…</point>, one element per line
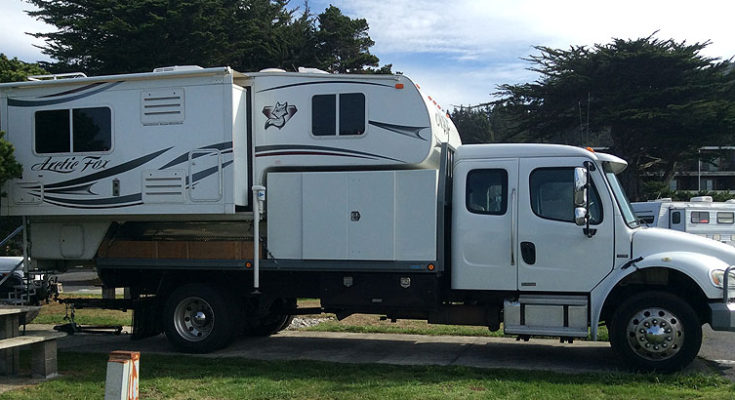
<point>656,331</point>
<point>275,321</point>
<point>270,325</point>
<point>199,318</point>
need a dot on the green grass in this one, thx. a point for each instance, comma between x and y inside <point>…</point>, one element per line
<point>53,313</point>
<point>185,377</point>
<point>414,329</point>
<point>418,328</point>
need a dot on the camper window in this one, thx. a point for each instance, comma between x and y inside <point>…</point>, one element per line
<point>52,131</point>
<point>487,191</point>
<point>700,217</point>
<point>676,217</point>
<point>725,218</point>
<point>73,130</point>
<point>342,115</point>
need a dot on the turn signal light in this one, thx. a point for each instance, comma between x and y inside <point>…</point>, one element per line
<point>430,267</point>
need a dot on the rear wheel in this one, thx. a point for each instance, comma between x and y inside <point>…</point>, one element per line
<point>656,331</point>
<point>270,325</point>
<point>199,318</point>
<point>275,321</point>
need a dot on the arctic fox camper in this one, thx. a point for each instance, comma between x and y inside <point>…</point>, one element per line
<point>219,198</point>
<point>700,216</point>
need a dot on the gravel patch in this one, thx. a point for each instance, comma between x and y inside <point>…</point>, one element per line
<point>299,323</point>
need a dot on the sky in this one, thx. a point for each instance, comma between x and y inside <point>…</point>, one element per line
<point>459,51</point>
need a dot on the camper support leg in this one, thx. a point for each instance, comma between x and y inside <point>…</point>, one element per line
<point>258,199</point>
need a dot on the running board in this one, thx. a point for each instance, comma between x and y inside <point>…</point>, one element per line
<point>542,315</point>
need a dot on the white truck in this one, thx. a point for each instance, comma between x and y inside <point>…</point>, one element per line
<point>699,216</point>
<point>219,198</point>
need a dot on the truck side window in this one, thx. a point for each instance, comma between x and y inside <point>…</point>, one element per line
<point>552,195</point>
<point>338,115</point>
<point>676,217</point>
<point>73,130</point>
<point>487,191</point>
<point>700,217</point>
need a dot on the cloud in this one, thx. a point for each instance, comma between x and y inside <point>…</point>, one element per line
<point>14,23</point>
<point>463,49</point>
<point>469,27</point>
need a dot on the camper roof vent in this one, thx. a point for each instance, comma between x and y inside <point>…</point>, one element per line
<point>53,77</point>
<point>272,70</point>
<point>731,201</point>
<point>178,68</point>
<point>307,70</point>
<point>663,200</point>
<point>701,199</point>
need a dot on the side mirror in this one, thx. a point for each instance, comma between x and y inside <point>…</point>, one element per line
<point>580,216</point>
<point>580,188</point>
<point>581,199</point>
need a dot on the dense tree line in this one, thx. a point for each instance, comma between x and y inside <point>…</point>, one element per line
<point>119,36</point>
<point>652,102</point>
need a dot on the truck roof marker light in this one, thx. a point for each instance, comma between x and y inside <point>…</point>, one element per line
<point>399,86</point>
<point>590,149</point>
<point>430,267</point>
<point>248,265</point>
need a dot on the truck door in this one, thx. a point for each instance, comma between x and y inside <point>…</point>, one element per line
<point>555,254</point>
<point>484,210</point>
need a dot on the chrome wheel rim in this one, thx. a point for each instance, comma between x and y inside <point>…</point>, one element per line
<point>655,334</point>
<point>194,319</point>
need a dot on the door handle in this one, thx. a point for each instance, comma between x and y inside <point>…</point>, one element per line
<point>528,252</point>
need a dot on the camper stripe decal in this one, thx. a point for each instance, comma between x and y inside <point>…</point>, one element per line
<point>224,147</point>
<point>101,203</point>
<point>81,189</point>
<point>108,172</point>
<point>265,151</point>
<point>111,202</point>
<point>410,131</point>
<point>35,103</point>
<point>79,89</point>
<point>324,83</point>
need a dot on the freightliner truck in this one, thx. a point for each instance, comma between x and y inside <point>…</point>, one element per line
<point>218,198</point>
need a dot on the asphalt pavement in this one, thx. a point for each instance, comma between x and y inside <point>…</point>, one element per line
<point>481,352</point>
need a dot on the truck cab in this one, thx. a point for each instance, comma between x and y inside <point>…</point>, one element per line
<point>551,228</point>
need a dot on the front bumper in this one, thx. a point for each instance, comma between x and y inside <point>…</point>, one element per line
<point>723,316</point>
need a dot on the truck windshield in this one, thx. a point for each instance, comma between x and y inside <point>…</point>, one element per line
<point>621,198</point>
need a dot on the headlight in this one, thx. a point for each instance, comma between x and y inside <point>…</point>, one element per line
<point>718,277</point>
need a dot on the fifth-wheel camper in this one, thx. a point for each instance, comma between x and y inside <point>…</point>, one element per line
<point>218,198</point>
<point>699,216</point>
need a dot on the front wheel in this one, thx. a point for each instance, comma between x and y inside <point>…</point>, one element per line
<point>656,331</point>
<point>198,318</point>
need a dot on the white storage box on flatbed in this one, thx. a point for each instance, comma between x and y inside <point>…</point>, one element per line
<point>370,215</point>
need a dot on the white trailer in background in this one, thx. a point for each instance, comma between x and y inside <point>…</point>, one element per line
<point>700,216</point>
<point>219,198</point>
